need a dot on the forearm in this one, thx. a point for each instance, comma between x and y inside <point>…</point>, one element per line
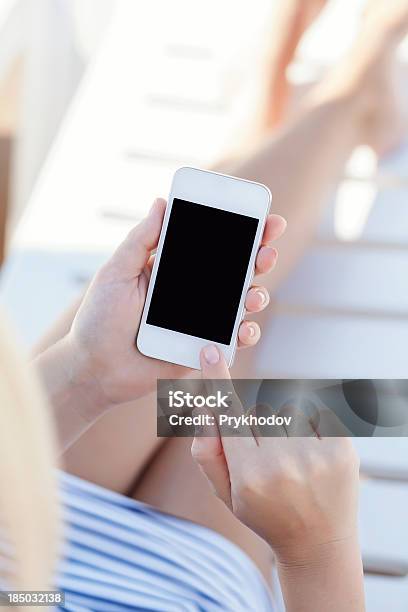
<point>329,579</point>
<point>76,399</point>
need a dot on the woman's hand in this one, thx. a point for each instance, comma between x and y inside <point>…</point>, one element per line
<point>100,351</point>
<point>298,494</point>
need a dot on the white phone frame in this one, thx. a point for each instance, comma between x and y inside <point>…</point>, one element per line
<point>217,191</point>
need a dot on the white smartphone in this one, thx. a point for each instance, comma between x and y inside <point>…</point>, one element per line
<point>203,267</point>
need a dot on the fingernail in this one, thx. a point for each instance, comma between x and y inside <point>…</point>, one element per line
<point>211,354</point>
<point>251,330</point>
<point>262,296</point>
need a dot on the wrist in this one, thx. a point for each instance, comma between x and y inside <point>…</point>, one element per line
<point>325,577</point>
<point>313,556</point>
<point>83,381</point>
<point>69,380</point>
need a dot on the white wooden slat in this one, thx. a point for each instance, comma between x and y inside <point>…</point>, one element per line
<point>388,220</point>
<point>386,594</point>
<point>383,456</point>
<point>331,346</point>
<point>383,523</point>
<point>350,278</point>
<point>46,286</point>
<point>363,212</point>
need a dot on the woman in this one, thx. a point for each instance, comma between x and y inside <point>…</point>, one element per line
<point>121,451</point>
<point>298,495</point>
<point>354,104</point>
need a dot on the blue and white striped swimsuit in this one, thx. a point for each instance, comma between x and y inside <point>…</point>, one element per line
<point>121,554</point>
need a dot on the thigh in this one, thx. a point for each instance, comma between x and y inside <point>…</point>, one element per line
<point>174,484</point>
<point>116,450</point>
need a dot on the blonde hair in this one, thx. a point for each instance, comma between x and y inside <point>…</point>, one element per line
<point>28,499</point>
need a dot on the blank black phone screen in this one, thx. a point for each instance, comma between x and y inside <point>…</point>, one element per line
<point>202,271</point>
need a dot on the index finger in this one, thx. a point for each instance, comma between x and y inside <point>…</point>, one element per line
<point>235,434</point>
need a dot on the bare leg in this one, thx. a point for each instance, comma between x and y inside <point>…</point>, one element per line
<point>353,106</point>
<point>293,17</point>
<point>287,24</point>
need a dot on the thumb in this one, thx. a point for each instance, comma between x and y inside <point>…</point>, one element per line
<point>133,254</point>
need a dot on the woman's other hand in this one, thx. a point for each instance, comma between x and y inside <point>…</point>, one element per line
<point>299,494</point>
